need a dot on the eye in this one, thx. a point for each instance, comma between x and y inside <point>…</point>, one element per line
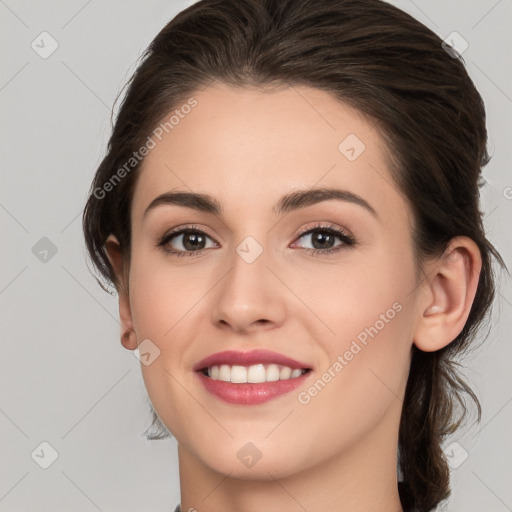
<point>323,236</point>
<point>189,240</point>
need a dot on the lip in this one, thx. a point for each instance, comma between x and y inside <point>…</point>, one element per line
<point>248,358</point>
<point>250,393</point>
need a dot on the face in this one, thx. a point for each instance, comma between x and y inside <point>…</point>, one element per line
<point>328,281</point>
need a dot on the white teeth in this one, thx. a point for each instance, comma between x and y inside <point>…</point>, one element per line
<point>224,373</point>
<point>272,373</point>
<point>254,374</point>
<point>238,374</point>
<point>285,373</point>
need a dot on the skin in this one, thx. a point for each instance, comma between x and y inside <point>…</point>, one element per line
<point>246,148</point>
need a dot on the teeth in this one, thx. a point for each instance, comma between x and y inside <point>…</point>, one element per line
<point>255,374</point>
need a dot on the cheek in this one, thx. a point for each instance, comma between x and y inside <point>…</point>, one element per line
<point>160,295</point>
<point>369,311</point>
<point>365,378</point>
<point>358,294</point>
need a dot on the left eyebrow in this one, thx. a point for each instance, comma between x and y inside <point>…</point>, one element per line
<point>287,203</point>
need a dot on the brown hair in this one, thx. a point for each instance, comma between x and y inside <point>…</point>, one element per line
<point>386,64</point>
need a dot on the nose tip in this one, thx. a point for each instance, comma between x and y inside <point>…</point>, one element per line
<point>247,298</point>
<point>244,328</point>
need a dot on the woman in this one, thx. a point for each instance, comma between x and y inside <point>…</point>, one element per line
<point>289,212</point>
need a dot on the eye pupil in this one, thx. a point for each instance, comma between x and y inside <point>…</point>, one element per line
<point>191,241</point>
<point>324,239</point>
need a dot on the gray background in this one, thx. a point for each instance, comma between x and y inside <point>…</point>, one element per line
<point>65,378</point>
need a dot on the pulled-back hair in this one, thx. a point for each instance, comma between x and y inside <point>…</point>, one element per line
<point>378,59</point>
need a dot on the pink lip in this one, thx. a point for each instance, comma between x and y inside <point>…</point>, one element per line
<point>249,393</point>
<point>248,358</point>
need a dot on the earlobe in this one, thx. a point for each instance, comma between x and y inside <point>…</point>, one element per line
<point>449,295</point>
<point>128,335</point>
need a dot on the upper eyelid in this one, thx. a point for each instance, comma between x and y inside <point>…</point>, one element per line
<point>181,230</point>
<point>327,226</point>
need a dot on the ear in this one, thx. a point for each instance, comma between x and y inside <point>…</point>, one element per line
<point>115,256</point>
<point>448,294</point>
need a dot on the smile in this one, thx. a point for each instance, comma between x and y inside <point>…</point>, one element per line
<point>242,392</point>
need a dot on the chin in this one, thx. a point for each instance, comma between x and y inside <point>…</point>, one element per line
<point>246,463</point>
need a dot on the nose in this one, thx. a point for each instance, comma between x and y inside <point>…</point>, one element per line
<point>250,297</point>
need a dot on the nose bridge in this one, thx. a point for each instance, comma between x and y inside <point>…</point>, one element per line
<point>250,250</point>
<point>249,292</point>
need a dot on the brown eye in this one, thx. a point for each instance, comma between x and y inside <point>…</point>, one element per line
<point>323,239</point>
<point>185,242</point>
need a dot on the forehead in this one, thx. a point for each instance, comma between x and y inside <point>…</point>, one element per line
<point>254,145</point>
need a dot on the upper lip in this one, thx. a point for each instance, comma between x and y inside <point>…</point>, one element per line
<point>247,358</point>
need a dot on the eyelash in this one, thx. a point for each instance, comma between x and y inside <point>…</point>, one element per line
<point>347,239</point>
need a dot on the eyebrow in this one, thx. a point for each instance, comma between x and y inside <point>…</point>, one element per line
<point>287,203</point>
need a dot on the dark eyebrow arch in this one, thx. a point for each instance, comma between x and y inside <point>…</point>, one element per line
<point>287,203</point>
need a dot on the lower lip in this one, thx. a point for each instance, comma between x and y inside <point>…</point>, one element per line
<point>250,394</point>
